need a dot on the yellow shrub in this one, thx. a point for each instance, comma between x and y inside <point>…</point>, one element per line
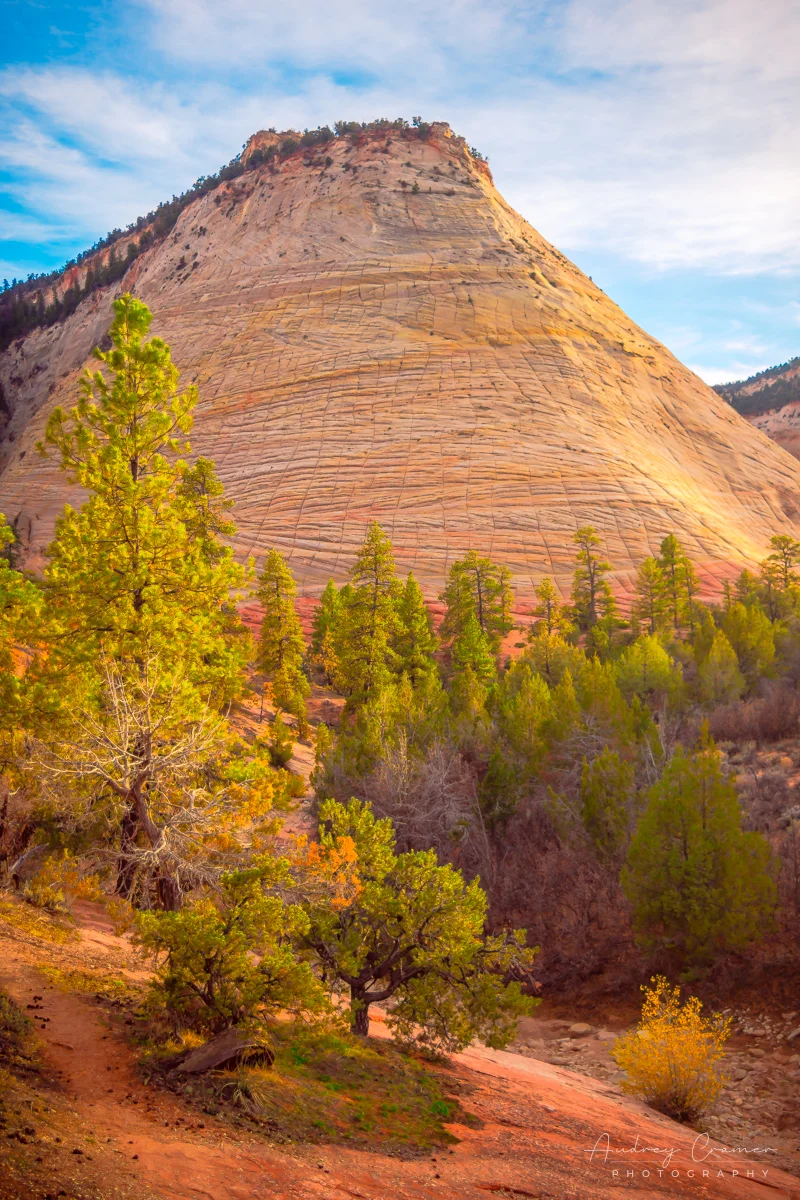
<point>60,881</point>
<point>671,1058</point>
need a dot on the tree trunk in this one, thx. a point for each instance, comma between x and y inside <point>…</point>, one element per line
<point>126,866</point>
<point>169,893</point>
<point>359,1015</point>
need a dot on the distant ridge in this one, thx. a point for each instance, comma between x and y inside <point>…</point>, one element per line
<point>767,390</point>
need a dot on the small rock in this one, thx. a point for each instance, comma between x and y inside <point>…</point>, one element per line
<point>794,1034</point>
<point>580,1029</point>
<point>549,1107</point>
<point>605,1035</point>
<point>755,1052</point>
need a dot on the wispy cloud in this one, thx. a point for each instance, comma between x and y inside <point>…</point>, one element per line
<point>665,135</point>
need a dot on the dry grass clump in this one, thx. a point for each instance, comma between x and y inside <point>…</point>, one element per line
<point>671,1057</point>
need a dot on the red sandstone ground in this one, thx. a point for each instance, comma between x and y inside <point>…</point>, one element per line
<point>97,1131</point>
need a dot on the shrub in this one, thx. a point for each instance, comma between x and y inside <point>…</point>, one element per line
<point>231,961</point>
<point>671,1057</point>
<point>59,882</point>
<point>413,933</point>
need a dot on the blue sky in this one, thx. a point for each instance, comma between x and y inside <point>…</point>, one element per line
<point>656,142</point>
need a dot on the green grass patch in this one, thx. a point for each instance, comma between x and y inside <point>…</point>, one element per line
<point>333,1087</point>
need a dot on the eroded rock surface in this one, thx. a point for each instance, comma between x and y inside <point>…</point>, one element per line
<point>365,350</point>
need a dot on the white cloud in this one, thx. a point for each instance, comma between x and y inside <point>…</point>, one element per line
<point>729,374</point>
<point>665,134</point>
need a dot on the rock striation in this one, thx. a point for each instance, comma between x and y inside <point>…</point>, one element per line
<point>376,334</point>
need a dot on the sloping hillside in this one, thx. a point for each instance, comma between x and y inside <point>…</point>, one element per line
<point>377,335</point>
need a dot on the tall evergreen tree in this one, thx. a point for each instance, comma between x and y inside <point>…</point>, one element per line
<point>322,631</point>
<point>142,645</point>
<point>281,646</point>
<point>415,641</point>
<point>367,626</point>
<point>20,606</point>
<point>680,582</point>
<point>592,597</point>
<point>651,599</point>
<point>478,585</point>
<point>697,883</point>
<point>553,616</point>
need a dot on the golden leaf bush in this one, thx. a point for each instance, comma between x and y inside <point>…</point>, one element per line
<point>671,1058</point>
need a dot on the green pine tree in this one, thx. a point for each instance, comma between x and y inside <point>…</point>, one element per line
<point>718,675</point>
<point>592,597</point>
<point>478,585</point>
<point>680,582</point>
<point>142,647</point>
<point>750,632</point>
<point>415,642</point>
<point>698,885</point>
<point>651,600</point>
<point>606,795</point>
<point>281,645</point>
<point>323,629</point>
<point>553,616</point>
<point>367,627</point>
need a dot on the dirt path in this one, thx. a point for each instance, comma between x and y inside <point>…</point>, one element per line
<point>538,1124</point>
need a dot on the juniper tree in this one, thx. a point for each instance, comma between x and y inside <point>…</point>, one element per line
<point>281,645</point>
<point>413,933</point>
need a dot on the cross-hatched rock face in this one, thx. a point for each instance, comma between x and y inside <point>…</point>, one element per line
<point>366,350</point>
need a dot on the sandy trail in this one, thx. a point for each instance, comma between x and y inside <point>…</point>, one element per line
<point>539,1123</point>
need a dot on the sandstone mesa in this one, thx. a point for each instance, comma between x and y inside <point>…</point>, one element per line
<point>377,335</point>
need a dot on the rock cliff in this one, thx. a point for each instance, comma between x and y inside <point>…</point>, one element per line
<point>377,335</point>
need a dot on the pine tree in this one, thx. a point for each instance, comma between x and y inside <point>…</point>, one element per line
<point>650,604</point>
<point>367,627</point>
<point>205,506</point>
<point>142,647</point>
<point>784,558</point>
<point>415,642</point>
<point>553,615</point>
<point>471,649</point>
<point>606,796</point>
<point>680,581</point>
<point>645,669</point>
<point>718,674</point>
<point>322,631</point>
<point>20,606</point>
<point>479,585</point>
<point>591,592</point>
<point>281,646</point>
<point>698,885</point>
<point>749,630</point>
